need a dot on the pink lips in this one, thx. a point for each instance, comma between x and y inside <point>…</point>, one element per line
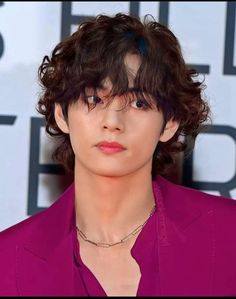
<point>110,147</point>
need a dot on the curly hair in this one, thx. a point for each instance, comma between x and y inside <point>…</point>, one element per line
<point>96,51</point>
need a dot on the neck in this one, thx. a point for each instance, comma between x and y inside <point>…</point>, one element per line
<point>108,208</point>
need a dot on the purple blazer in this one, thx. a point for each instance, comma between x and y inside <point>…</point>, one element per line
<point>196,246</point>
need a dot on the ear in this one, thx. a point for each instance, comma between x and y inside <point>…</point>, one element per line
<point>169,130</point>
<point>60,120</point>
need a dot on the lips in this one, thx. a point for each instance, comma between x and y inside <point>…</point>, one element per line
<point>110,145</point>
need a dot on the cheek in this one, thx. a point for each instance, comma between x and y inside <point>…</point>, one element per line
<point>76,130</point>
<point>155,126</point>
<point>77,121</point>
<point>149,130</point>
<point>145,142</point>
<point>83,134</point>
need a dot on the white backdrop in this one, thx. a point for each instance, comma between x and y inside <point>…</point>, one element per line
<point>30,30</point>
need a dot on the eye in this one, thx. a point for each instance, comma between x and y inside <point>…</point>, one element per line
<point>140,104</point>
<point>93,99</point>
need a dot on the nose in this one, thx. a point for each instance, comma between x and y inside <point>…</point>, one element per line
<point>113,117</point>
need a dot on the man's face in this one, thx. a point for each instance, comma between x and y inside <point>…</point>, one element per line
<point>137,129</point>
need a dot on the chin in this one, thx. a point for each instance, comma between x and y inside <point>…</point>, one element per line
<point>109,172</point>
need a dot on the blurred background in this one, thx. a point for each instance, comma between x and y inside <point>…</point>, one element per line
<point>29,180</point>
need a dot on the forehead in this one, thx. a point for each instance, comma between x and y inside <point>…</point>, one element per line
<point>132,63</point>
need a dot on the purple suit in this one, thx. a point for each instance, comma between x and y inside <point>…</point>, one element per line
<point>196,247</point>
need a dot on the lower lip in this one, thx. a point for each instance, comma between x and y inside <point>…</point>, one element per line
<point>110,150</point>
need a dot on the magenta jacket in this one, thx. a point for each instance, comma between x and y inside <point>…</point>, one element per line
<point>196,246</point>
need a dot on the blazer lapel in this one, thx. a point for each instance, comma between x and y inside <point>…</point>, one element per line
<point>185,246</point>
<point>46,277</point>
<point>44,263</point>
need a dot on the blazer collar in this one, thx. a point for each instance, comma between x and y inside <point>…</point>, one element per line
<point>58,221</point>
<point>48,249</point>
<point>175,211</point>
<point>54,225</point>
<point>44,263</point>
<point>186,241</point>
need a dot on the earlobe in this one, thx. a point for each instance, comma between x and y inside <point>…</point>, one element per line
<point>60,120</point>
<point>169,131</point>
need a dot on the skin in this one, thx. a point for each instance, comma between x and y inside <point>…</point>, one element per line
<point>113,193</point>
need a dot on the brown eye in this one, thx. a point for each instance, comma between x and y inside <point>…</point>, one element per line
<point>140,104</point>
<point>93,99</point>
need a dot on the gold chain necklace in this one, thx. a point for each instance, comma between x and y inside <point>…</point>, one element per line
<point>107,245</point>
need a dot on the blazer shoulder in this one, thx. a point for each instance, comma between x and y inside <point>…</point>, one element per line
<point>18,233</point>
<point>190,197</point>
<point>38,234</point>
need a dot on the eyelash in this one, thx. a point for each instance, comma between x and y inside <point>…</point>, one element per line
<point>98,99</point>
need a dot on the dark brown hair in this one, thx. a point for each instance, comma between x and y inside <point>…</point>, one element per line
<point>96,51</point>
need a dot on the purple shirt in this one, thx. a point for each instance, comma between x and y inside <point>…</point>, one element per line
<point>144,251</point>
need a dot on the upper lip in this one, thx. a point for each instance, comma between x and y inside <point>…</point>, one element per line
<point>111,144</point>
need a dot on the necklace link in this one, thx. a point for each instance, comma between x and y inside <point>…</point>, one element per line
<point>123,240</point>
